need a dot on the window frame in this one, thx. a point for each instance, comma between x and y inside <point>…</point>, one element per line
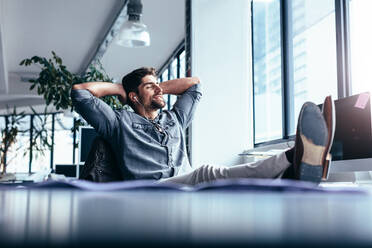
<point>342,57</point>
<point>31,133</point>
<point>175,56</point>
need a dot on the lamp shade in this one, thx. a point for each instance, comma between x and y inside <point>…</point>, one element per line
<point>133,33</point>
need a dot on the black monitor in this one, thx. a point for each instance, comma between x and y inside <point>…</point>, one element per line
<point>352,145</point>
<point>87,136</point>
<point>69,170</point>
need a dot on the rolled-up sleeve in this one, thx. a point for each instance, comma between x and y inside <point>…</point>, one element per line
<point>185,105</point>
<point>96,112</point>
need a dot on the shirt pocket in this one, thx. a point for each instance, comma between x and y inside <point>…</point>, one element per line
<point>172,129</point>
<point>144,133</point>
<point>141,127</point>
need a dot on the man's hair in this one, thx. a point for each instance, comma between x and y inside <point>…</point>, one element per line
<point>132,80</point>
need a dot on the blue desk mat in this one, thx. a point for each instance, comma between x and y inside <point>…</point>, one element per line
<point>271,185</point>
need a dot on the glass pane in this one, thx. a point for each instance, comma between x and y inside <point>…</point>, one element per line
<point>164,77</point>
<point>267,70</point>
<point>63,139</point>
<point>174,74</point>
<point>2,123</point>
<point>183,64</point>
<point>360,42</point>
<point>2,127</point>
<point>41,154</point>
<point>314,53</point>
<point>18,154</point>
<point>173,68</point>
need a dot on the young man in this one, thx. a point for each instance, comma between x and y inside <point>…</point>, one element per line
<point>151,145</point>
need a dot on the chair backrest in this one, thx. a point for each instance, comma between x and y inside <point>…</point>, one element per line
<point>101,165</point>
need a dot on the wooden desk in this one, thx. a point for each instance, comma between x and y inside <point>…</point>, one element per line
<point>160,217</point>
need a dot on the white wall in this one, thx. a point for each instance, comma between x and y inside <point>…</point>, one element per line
<point>19,94</point>
<point>3,69</point>
<point>221,57</point>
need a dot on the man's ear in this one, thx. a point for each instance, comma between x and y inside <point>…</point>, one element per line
<point>133,97</point>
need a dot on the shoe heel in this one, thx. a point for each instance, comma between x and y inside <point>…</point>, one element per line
<point>311,173</point>
<point>327,165</point>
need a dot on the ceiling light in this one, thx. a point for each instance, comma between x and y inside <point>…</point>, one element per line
<point>133,33</point>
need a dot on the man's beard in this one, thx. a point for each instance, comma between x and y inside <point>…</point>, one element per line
<point>157,104</point>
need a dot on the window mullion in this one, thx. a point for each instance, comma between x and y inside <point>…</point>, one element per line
<point>73,143</point>
<point>169,78</point>
<point>178,65</point>
<point>31,135</point>
<point>343,47</point>
<point>6,127</point>
<point>52,148</point>
<point>287,67</point>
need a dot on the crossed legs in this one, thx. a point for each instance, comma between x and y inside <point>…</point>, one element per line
<point>310,154</point>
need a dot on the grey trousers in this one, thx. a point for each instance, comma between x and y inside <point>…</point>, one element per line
<point>268,168</point>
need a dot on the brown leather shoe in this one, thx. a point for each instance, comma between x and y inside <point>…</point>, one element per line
<point>329,114</point>
<point>310,144</point>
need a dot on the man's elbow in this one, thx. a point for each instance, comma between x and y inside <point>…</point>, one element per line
<point>195,80</point>
<point>76,87</point>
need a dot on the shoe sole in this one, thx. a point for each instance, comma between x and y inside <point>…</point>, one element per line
<point>313,135</point>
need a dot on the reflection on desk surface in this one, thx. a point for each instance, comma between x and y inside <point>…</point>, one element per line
<point>73,217</point>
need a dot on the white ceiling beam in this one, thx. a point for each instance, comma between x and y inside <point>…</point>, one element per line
<point>3,68</point>
<point>112,31</point>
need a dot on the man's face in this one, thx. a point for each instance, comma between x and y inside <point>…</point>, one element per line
<point>150,94</point>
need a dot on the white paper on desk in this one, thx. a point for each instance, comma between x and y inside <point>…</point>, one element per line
<point>274,185</point>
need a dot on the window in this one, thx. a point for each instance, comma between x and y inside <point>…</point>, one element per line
<point>314,53</point>
<point>19,154</point>
<point>63,139</point>
<point>174,68</point>
<point>165,77</point>
<point>173,75</point>
<point>294,61</point>
<point>20,160</point>
<point>42,127</point>
<point>360,42</point>
<point>2,123</point>
<point>267,70</point>
<point>183,64</point>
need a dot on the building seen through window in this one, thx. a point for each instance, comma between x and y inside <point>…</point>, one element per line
<point>360,42</point>
<point>294,61</point>
<point>314,53</point>
<point>267,74</point>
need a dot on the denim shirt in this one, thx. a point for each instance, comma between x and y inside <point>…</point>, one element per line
<point>144,149</point>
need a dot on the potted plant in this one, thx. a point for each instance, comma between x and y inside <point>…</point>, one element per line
<point>55,81</point>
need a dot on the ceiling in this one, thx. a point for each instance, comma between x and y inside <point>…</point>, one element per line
<point>75,29</point>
